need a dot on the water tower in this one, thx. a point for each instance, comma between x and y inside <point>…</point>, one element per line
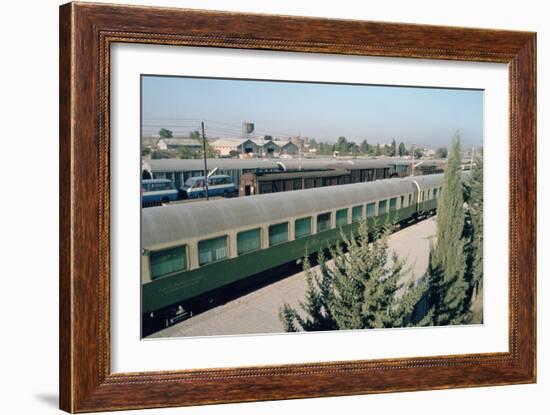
<point>248,129</point>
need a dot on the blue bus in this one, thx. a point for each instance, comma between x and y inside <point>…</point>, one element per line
<point>218,185</point>
<point>157,191</point>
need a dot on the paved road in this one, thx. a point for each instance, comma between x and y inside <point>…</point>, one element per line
<point>257,312</point>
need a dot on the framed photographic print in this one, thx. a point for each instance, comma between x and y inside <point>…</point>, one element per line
<point>259,207</point>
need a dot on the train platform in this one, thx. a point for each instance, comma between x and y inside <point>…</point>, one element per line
<point>257,312</point>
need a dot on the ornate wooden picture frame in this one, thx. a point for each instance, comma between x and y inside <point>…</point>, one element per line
<point>87,32</point>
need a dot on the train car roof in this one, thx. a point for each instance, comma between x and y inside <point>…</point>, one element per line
<point>283,175</point>
<point>173,223</point>
<point>428,181</point>
<point>170,165</point>
<point>146,181</point>
<point>348,164</point>
<point>214,176</point>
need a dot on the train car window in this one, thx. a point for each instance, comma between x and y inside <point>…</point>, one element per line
<point>297,184</point>
<point>382,207</point>
<point>435,193</point>
<point>248,241</point>
<point>168,261</point>
<point>341,217</point>
<point>212,250</point>
<point>302,227</point>
<point>402,202</point>
<point>323,221</point>
<point>277,186</point>
<point>410,199</point>
<point>370,210</point>
<point>265,187</point>
<point>309,184</point>
<point>356,213</point>
<point>393,204</point>
<point>278,233</point>
<point>288,185</point>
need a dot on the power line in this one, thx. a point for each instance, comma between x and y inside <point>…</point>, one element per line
<point>236,127</point>
<point>171,126</point>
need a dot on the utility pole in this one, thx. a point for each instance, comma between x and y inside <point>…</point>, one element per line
<point>204,157</point>
<point>412,165</point>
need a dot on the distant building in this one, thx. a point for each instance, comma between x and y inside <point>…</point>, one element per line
<point>299,141</point>
<point>428,152</point>
<point>271,149</point>
<point>174,144</point>
<point>149,142</point>
<point>225,146</point>
<point>255,147</point>
<point>290,149</point>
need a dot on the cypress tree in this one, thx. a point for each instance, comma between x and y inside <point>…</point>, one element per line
<point>446,272</point>
<point>393,148</point>
<point>402,149</point>
<point>475,209</point>
<point>473,231</point>
<point>363,288</point>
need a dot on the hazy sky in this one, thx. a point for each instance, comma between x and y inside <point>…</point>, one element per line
<point>425,116</point>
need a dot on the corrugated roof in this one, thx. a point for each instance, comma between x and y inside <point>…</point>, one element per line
<point>170,165</point>
<point>262,143</point>
<point>164,224</point>
<point>149,141</point>
<point>229,142</point>
<point>289,143</point>
<point>301,174</point>
<point>163,165</point>
<point>349,164</point>
<point>181,141</point>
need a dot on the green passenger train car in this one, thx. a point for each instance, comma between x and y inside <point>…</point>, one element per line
<point>192,252</point>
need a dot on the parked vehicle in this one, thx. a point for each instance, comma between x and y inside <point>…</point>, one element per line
<point>218,185</point>
<point>157,191</point>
